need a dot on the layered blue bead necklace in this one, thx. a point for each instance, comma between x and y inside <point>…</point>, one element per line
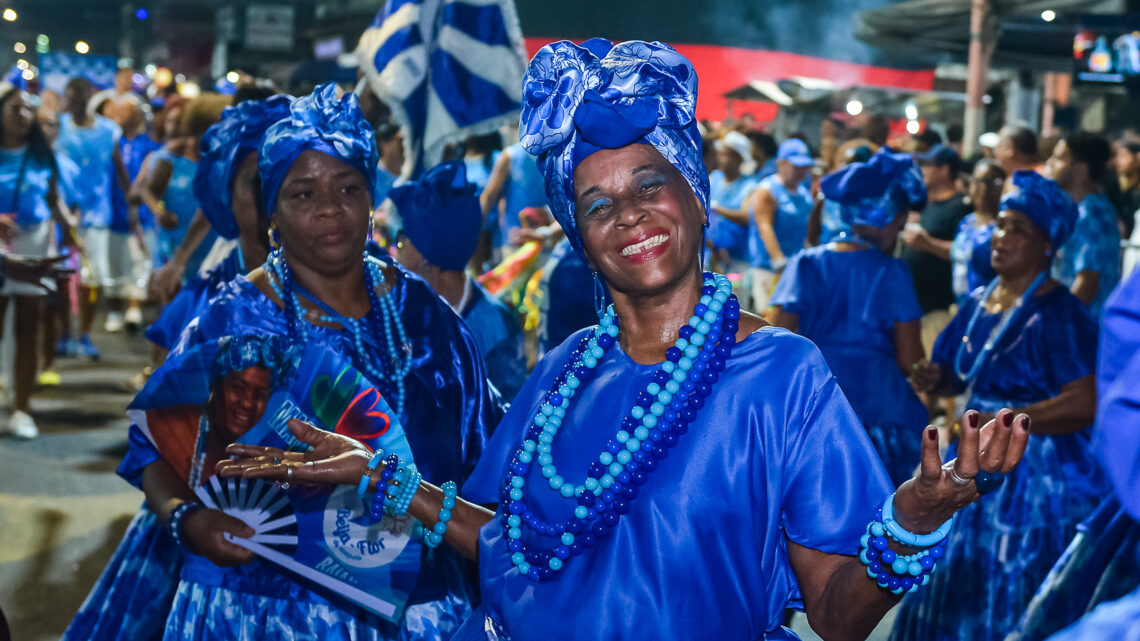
<point>383,308</point>
<point>661,413</point>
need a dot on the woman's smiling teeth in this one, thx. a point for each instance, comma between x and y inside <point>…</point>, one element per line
<point>645,245</point>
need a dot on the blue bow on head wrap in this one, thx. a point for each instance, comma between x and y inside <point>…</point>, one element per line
<point>320,122</point>
<point>224,147</point>
<point>441,215</point>
<point>1042,201</point>
<point>873,193</point>
<point>578,99</point>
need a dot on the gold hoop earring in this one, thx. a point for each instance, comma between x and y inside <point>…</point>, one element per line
<point>274,237</point>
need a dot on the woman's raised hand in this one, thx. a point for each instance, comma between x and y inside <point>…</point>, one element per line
<point>925,375</point>
<point>926,501</point>
<point>332,459</point>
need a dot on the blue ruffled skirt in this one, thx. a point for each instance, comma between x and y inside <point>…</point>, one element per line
<point>1002,547</point>
<point>1116,621</point>
<point>132,597</point>
<point>256,601</point>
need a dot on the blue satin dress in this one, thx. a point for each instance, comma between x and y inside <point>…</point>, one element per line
<point>776,454</point>
<point>449,413</point>
<point>848,305</point>
<point>1002,547</point>
<point>192,300</point>
<point>970,257</point>
<point>1102,565</point>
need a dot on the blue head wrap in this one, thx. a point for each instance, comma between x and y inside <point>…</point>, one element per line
<point>320,122</point>
<point>1044,202</point>
<point>224,147</point>
<point>578,99</point>
<point>441,214</point>
<point>872,193</point>
<point>236,353</point>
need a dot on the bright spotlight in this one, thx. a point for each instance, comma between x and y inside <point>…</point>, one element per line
<point>28,74</point>
<point>1048,15</point>
<point>150,71</point>
<point>854,107</point>
<point>19,47</point>
<point>82,47</point>
<point>911,112</point>
<point>22,64</point>
<point>912,127</point>
<point>10,15</point>
<point>233,77</point>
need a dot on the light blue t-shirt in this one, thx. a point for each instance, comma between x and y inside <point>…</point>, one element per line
<point>31,207</point>
<point>723,233</point>
<point>1094,246</point>
<point>91,149</point>
<point>792,211</point>
<point>525,188</point>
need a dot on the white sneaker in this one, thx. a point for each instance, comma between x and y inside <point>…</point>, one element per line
<point>133,318</point>
<point>114,322</point>
<point>21,425</point>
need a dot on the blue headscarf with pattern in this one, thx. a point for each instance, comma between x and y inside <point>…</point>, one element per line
<point>224,148</point>
<point>579,99</point>
<point>1042,201</point>
<point>320,122</point>
<point>873,193</point>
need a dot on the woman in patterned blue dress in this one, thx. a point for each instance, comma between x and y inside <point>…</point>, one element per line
<point>1023,341</point>
<point>132,596</point>
<point>856,303</point>
<point>970,249</point>
<point>708,512</point>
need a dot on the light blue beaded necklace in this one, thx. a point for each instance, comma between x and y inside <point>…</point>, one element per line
<point>660,414</point>
<point>396,340</point>
<point>996,334</point>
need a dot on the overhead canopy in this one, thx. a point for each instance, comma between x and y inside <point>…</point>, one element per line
<point>939,30</point>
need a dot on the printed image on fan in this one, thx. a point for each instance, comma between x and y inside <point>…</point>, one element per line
<point>246,390</point>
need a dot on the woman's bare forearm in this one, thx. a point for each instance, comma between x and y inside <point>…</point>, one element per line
<point>466,519</point>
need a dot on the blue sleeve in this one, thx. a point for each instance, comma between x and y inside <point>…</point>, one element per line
<point>792,291</point>
<point>140,453</point>
<point>1071,335</point>
<point>1116,443</point>
<point>833,479</point>
<point>506,364</point>
<point>904,306</point>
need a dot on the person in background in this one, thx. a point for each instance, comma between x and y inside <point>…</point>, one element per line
<point>1089,262</point>
<point>856,302</point>
<point>729,184</point>
<point>954,135</point>
<point>926,140</point>
<point>441,220</point>
<point>928,237</point>
<point>1126,161</point>
<point>514,185</point>
<point>92,142</point>
<point>1016,149</point>
<point>390,139</point>
<point>709,152</point>
<point>970,249</point>
<point>479,156</point>
<point>1022,342</point>
<point>32,203</point>
<point>830,137</point>
<point>778,210</point>
<point>764,150</point>
<point>134,146</point>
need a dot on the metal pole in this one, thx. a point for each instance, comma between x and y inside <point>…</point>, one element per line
<point>981,49</point>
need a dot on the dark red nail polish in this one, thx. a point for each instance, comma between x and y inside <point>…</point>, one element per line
<point>1007,419</point>
<point>932,435</point>
<point>972,420</point>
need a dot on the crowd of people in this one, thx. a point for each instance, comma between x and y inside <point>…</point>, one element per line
<point>810,326</point>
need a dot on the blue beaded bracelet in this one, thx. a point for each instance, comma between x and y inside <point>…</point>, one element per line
<point>892,571</point>
<point>177,515</point>
<point>379,497</point>
<point>902,535</point>
<point>407,490</point>
<point>434,537</point>
<point>362,489</point>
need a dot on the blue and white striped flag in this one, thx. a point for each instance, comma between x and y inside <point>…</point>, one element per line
<point>448,69</point>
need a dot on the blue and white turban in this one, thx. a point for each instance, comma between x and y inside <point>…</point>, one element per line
<point>1042,201</point>
<point>578,99</point>
<point>873,193</point>
<point>224,148</point>
<point>320,122</point>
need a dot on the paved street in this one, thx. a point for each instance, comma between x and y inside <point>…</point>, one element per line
<point>63,509</point>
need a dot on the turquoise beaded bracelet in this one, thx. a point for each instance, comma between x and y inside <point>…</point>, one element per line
<point>434,537</point>
<point>362,489</point>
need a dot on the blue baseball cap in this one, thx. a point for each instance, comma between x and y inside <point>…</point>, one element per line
<point>941,156</point>
<point>796,152</point>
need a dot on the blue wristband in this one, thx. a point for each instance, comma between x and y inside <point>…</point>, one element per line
<point>434,537</point>
<point>900,534</point>
<point>362,489</point>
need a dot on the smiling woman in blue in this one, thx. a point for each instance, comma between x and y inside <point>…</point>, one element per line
<point>681,470</point>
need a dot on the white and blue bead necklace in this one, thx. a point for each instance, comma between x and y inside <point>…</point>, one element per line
<point>661,413</point>
<point>383,308</point>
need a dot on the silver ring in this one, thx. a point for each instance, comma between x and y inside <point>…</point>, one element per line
<point>289,474</point>
<point>958,480</point>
